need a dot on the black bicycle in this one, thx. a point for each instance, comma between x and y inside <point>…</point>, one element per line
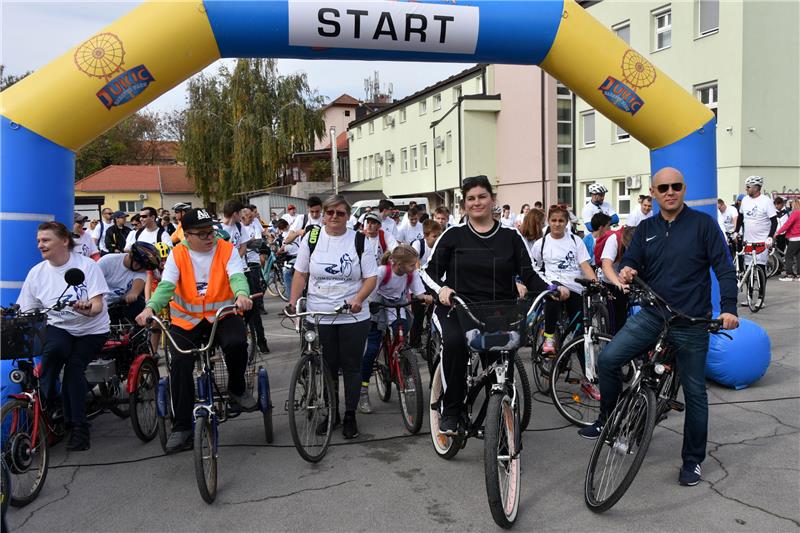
<point>619,451</point>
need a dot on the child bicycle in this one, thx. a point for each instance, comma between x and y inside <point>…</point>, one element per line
<point>622,445</point>
<point>212,406</point>
<point>493,343</point>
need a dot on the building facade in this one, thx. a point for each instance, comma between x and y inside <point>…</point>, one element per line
<point>740,59</point>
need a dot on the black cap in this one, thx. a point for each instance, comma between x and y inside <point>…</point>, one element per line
<point>197,218</point>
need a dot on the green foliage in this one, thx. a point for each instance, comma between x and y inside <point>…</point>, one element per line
<point>242,127</point>
<point>7,81</point>
<point>321,170</point>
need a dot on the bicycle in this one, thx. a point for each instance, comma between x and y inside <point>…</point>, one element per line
<point>397,363</point>
<point>272,274</point>
<point>626,434</point>
<point>212,406</point>
<point>750,277</point>
<point>493,345</point>
<point>776,260</point>
<point>312,402</point>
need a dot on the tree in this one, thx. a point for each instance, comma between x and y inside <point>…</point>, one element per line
<point>7,81</point>
<point>242,127</point>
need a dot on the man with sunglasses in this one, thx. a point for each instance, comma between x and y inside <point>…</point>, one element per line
<point>149,230</point>
<point>99,231</point>
<point>201,275</point>
<point>672,252</point>
<point>758,219</point>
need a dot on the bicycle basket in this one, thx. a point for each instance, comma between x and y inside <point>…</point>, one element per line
<point>22,336</point>
<point>221,373</point>
<point>504,322</point>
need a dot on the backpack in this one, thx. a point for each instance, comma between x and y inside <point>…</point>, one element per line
<point>600,243</point>
<point>422,246</point>
<point>388,275</point>
<point>544,237</point>
<point>158,235</point>
<point>382,240</point>
<point>313,237</point>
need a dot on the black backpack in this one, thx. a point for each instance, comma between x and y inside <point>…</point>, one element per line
<point>158,235</point>
<point>313,237</point>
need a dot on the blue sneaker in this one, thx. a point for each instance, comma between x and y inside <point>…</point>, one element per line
<point>690,474</point>
<point>591,432</point>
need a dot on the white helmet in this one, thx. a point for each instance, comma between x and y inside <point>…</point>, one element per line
<point>596,188</point>
<point>754,180</point>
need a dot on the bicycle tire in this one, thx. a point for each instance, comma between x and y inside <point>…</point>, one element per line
<point>5,486</point>
<point>501,461</point>
<point>164,423</point>
<point>601,319</point>
<point>524,384</point>
<point>566,383</point>
<point>756,287</point>
<point>265,403</point>
<point>143,409</point>
<point>309,375</point>
<point>434,348</point>
<point>627,424</point>
<point>280,288</point>
<point>383,381</point>
<point>410,394</point>
<point>445,446</point>
<point>18,455</point>
<point>773,263</point>
<point>122,409</point>
<point>205,457</point>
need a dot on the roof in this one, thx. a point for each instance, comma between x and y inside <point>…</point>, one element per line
<point>163,178</point>
<point>344,100</point>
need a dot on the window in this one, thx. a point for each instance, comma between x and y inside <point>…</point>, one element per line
<point>358,132</point>
<point>587,120</point>
<point>402,114</point>
<point>564,143</point>
<point>620,134</point>
<point>129,206</point>
<point>565,189</point>
<point>438,146</point>
<point>423,107</point>
<point>708,93</point>
<point>437,102</point>
<point>388,158</point>
<point>423,150</point>
<point>414,158</point>
<point>347,113</point>
<point>623,31</point>
<point>371,127</point>
<point>448,146</point>
<point>404,160</point>
<point>456,93</point>
<point>378,165</point>
<point>707,17</point>
<point>370,167</point>
<point>623,198</point>
<point>662,24</point>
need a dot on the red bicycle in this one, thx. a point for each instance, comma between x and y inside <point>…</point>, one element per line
<point>397,363</point>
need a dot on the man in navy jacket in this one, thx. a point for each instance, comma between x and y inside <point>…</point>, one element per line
<point>673,252</point>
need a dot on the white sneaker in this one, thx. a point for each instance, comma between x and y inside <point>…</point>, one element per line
<point>363,401</point>
<point>788,278</point>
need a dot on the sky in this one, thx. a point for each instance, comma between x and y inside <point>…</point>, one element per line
<point>34,33</point>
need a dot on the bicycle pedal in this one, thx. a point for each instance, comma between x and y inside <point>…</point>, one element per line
<point>675,405</point>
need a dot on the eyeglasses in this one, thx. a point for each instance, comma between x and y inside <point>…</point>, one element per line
<point>664,187</point>
<point>332,213</point>
<point>201,234</point>
<point>107,212</point>
<point>559,206</point>
<point>144,216</point>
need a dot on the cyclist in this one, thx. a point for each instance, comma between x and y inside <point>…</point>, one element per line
<point>532,227</point>
<point>442,215</point>
<point>125,275</point>
<point>148,231</point>
<point>84,244</point>
<point>75,334</point>
<point>727,215</point>
<point>381,241</point>
<point>480,261</point>
<point>201,275</point>
<point>411,230</point>
<point>608,255</point>
<point>601,224</point>
<point>520,218</point>
<point>252,231</point>
<point>507,218</point>
<point>758,221</point>
<point>645,210</point>
<point>597,204</point>
<point>386,212</point>
<point>179,209</point>
<point>99,232</point>
<point>340,268</point>
<point>791,228</point>
<point>396,279</point>
<point>117,234</point>
<point>312,218</point>
<point>673,253</point>
<point>561,257</point>
<point>424,248</point>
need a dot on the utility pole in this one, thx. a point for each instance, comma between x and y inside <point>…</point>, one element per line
<point>334,161</point>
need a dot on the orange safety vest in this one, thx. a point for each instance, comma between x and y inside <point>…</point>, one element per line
<point>177,235</point>
<point>188,308</point>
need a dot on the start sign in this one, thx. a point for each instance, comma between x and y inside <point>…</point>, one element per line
<point>384,25</point>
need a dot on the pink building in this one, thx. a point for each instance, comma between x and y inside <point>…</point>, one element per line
<point>338,113</point>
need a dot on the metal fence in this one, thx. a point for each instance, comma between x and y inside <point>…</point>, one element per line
<point>269,202</point>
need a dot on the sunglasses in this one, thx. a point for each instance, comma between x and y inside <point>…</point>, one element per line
<point>202,234</point>
<point>559,206</point>
<point>332,213</point>
<point>144,216</point>
<point>664,187</point>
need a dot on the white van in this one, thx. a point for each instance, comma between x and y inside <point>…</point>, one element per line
<point>401,204</point>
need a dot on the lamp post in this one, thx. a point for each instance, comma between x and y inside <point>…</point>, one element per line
<point>334,161</point>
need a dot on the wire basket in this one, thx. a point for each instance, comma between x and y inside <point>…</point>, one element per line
<point>221,372</point>
<point>22,336</point>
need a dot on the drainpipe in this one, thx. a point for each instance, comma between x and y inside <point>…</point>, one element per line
<point>544,161</point>
<point>458,139</point>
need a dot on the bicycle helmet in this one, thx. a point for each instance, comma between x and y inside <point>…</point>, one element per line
<point>597,188</point>
<point>163,249</point>
<point>181,206</point>
<point>146,255</point>
<point>754,180</point>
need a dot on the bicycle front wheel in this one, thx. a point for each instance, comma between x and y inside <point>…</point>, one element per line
<point>501,460</point>
<point>205,457</point>
<point>383,377</point>
<point>575,397</point>
<point>619,451</point>
<point>312,407</point>
<point>445,446</point>
<point>409,390</point>
<point>144,414</point>
<point>26,460</point>
<point>756,286</point>
<point>525,400</point>
<point>773,263</point>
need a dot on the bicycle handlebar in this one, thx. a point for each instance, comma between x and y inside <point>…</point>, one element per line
<point>715,324</point>
<point>223,311</point>
<point>345,307</point>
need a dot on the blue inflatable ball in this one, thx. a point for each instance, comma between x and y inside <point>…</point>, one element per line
<point>741,361</point>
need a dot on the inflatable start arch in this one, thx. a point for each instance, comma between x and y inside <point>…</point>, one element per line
<point>58,109</point>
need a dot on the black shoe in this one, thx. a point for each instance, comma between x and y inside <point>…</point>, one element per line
<point>448,425</point>
<point>79,438</point>
<point>322,428</point>
<point>591,432</point>
<point>350,427</point>
<point>690,474</point>
<point>178,441</point>
<point>262,345</point>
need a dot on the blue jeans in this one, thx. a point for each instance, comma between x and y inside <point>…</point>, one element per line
<point>374,345</point>
<point>690,344</point>
<point>288,274</point>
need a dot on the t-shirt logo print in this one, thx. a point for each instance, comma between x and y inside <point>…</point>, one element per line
<point>79,292</point>
<point>345,266</point>
<point>568,262</point>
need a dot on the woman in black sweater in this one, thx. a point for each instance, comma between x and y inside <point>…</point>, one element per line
<point>480,261</point>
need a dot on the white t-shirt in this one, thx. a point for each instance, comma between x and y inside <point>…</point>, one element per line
<point>377,249</point>
<point>635,218</point>
<point>395,290</point>
<point>757,212</point>
<point>409,233</point>
<point>610,250</point>
<point>727,220</point>
<point>253,231</point>
<point>99,234</point>
<point>389,226</point>
<point>562,259</point>
<point>590,210</point>
<point>292,247</point>
<point>147,236</point>
<point>237,238</point>
<point>303,221</point>
<point>84,244</point>
<point>508,222</point>
<point>289,218</point>
<point>45,283</point>
<point>425,255</point>
<point>118,277</point>
<point>335,273</point>
<point>201,265</point>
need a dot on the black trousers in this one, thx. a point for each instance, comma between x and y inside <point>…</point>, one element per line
<point>792,259</point>
<point>231,337</point>
<point>254,314</point>
<point>343,348</point>
<point>419,311</point>
<point>552,310</point>
<point>455,356</point>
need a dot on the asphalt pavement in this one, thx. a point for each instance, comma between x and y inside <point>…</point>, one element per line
<point>388,480</point>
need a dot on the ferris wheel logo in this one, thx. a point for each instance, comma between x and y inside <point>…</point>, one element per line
<point>637,71</point>
<point>101,56</point>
